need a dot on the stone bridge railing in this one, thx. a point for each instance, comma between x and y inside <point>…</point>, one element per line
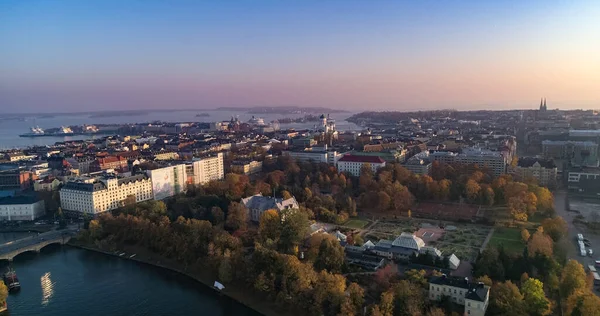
<point>34,247</point>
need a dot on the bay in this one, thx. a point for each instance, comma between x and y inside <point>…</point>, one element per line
<point>10,129</point>
<point>62,280</point>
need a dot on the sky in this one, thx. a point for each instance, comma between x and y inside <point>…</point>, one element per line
<point>355,55</point>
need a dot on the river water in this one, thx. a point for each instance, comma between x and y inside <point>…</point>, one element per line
<point>10,129</point>
<point>70,281</point>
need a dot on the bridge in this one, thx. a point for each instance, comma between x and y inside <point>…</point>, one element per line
<point>14,248</point>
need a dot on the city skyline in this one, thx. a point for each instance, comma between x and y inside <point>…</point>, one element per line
<point>109,55</point>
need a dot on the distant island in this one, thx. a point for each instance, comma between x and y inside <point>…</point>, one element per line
<point>117,113</point>
<point>282,110</point>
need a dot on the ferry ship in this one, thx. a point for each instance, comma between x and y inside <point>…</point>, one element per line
<point>11,280</point>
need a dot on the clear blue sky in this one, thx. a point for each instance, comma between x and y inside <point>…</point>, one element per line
<point>93,55</point>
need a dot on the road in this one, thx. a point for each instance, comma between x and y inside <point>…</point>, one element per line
<point>560,204</point>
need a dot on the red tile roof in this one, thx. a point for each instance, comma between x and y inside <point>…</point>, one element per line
<point>369,159</point>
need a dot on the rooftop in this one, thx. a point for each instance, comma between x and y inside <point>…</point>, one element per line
<point>363,159</point>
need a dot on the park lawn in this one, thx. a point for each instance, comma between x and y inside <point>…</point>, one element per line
<point>510,238</point>
<point>356,223</point>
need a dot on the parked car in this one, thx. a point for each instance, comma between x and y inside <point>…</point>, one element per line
<point>590,252</point>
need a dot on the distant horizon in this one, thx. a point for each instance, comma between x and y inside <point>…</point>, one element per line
<point>241,108</point>
<point>74,55</point>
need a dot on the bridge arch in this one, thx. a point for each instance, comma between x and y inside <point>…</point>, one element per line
<point>52,242</point>
<point>31,250</point>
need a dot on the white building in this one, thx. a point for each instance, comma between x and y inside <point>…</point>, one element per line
<point>353,164</point>
<point>104,193</point>
<point>167,181</point>
<point>206,169</point>
<point>474,296</point>
<point>258,204</point>
<point>318,155</point>
<point>21,208</point>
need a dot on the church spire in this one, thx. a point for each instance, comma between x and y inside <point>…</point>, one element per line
<point>545,108</point>
<point>541,103</point>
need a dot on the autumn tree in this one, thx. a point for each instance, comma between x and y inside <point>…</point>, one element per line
<point>572,278</point>
<point>525,235</point>
<point>216,215</point>
<point>237,216</point>
<point>534,298</point>
<point>583,302</point>
<point>485,280</point>
<point>293,229</point>
<point>331,255</point>
<point>409,298</point>
<point>555,227</point>
<point>472,189</point>
<point>506,299</point>
<point>384,275</point>
<point>435,311</point>
<point>269,226</point>
<point>3,293</point>
<point>540,243</point>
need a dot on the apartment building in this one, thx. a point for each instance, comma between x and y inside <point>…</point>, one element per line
<point>167,181</point>
<point>353,164</point>
<point>483,158</point>
<point>543,170</point>
<point>474,296</point>
<point>204,170</point>
<point>246,167</point>
<point>94,195</point>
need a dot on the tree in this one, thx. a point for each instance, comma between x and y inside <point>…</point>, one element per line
<point>269,226</point>
<point>435,311</point>
<point>3,293</point>
<point>384,275</point>
<point>95,229</point>
<point>293,229</point>
<point>506,299</point>
<point>386,304</point>
<point>472,189</point>
<point>409,299</point>
<point>540,243</point>
<point>331,255</point>
<point>216,215</point>
<point>356,297</point>
<point>237,216</point>
<point>417,277</point>
<point>572,278</point>
<point>525,235</point>
<point>555,227</point>
<point>534,298</point>
<point>286,195</point>
<point>583,303</point>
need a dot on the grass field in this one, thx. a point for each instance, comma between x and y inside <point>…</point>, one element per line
<point>356,223</point>
<point>510,238</point>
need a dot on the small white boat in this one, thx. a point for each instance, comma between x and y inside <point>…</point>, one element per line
<point>133,255</point>
<point>121,255</point>
<point>218,286</point>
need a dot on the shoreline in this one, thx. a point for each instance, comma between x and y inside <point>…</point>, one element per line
<point>239,297</point>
